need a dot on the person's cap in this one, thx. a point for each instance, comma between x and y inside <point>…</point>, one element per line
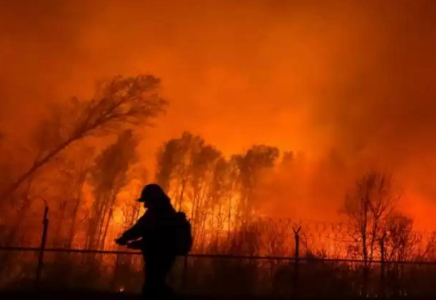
<point>149,191</point>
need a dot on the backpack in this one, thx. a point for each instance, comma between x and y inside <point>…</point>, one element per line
<point>183,235</point>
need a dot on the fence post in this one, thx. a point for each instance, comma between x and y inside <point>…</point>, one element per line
<point>382,265</point>
<point>42,249</point>
<point>296,259</point>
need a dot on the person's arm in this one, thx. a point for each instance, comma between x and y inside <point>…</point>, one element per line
<point>136,245</point>
<point>134,233</point>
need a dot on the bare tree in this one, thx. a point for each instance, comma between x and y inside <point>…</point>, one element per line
<point>137,176</point>
<point>108,178</point>
<point>400,241</point>
<point>252,166</point>
<point>223,191</point>
<point>200,184</point>
<point>185,169</point>
<point>167,161</point>
<point>189,146</point>
<point>175,160</point>
<point>121,101</point>
<point>368,207</point>
<point>61,183</point>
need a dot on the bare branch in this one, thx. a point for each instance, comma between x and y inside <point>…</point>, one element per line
<point>118,103</point>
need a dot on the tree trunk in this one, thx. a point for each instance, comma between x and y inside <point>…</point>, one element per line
<point>75,210</point>
<point>34,168</point>
<point>181,194</point>
<point>106,226</point>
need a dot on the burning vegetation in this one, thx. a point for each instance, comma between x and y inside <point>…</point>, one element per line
<point>259,126</point>
<point>90,188</point>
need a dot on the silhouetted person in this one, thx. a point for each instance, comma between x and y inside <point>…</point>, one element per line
<point>161,234</point>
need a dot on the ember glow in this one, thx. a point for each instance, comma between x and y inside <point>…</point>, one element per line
<point>346,86</point>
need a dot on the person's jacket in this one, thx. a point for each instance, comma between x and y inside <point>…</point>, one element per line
<point>155,233</point>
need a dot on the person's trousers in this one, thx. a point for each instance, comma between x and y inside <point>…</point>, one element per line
<point>155,286</point>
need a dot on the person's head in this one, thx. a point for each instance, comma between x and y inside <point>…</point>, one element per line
<point>154,198</point>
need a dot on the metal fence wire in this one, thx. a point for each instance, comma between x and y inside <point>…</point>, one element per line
<point>121,271</point>
<point>43,268</point>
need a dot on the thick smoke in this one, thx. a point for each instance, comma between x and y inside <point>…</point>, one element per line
<point>348,83</point>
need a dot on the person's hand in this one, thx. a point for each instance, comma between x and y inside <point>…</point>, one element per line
<point>120,241</point>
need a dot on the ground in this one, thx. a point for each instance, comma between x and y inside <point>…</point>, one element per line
<point>100,296</point>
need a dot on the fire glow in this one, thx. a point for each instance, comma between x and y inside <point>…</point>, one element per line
<point>321,84</point>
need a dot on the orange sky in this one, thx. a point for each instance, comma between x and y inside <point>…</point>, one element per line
<point>312,76</point>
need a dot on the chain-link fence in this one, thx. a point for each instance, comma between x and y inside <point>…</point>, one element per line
<point>297,274</point>
<point>221,275</point>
